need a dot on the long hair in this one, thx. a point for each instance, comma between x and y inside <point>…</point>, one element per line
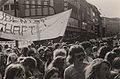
<point>92,69</point>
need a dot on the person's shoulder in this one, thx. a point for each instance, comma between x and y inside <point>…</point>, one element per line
<point>68,71</point>
<point>69,68</point>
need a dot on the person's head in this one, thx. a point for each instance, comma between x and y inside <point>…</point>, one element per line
<point>14,71</point>
<point>29,63</point>
<point>77,53</point>
<point>102,51</point>
<point>53,73</point>
<point>40,50</point>
<point>50,44</point>
<point>32,52</point>
<point>8,50</point>
<point>6,46</point>
<point>94,49</point>
<point>98,68</point>
<point>66,48</point>
<point>87,47</point>
<point>57,45</point>
<point>59,62</point>
<point>110,56</point>
<point>32,45</point>
<point>12,58</point>
<point>48,53</point>
<point>116,63</point>
<point>24,51</point>
<point>77,43</point>
<point>117,51</point>
<point>59,52</point>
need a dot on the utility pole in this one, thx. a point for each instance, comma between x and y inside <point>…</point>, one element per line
<point>15,12</point>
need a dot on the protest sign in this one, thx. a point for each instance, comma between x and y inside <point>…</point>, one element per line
<point>33,29</point>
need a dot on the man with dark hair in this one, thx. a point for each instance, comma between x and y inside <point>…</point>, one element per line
<point>24,52</point>
<point>40,65</point>
<point>29,64</point>
<point>76,70</point>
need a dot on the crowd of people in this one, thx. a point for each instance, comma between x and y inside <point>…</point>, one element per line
<point>79,60</point>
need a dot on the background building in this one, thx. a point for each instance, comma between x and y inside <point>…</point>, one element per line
<point>111,25</point>
<point>8,7</point>
<point>85,21</point>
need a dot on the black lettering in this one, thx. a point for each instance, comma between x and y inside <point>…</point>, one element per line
<point>16,29</point>
<point>8,28</point>
<point>36,21</point>
<point>23,20</point>
<point>23,29</point>
<point>2,25</point>
<point>15,20</point>
<point>31,28</point>
<point>8,18</point>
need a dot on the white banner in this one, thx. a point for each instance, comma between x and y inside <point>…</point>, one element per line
<point>33,29</point>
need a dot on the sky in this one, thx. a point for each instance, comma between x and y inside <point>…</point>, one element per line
<point>108,8</point>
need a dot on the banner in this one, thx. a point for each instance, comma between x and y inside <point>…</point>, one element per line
<point>33,29</point>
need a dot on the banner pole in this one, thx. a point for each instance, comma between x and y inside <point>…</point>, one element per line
<point>15,11</point>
